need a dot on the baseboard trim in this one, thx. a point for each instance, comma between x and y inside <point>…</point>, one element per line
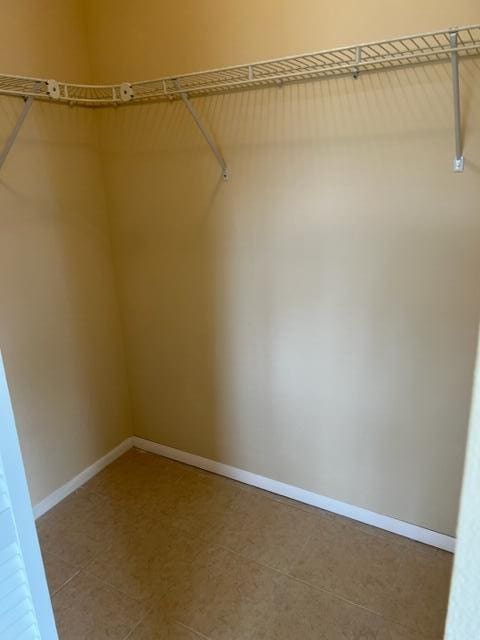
<point>75,483</point>
<point>412,531</point>
<point>405,529</point>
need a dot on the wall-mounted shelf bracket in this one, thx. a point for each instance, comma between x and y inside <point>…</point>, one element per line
<point>358,60</point>
<point>458,162</point>
<point>16,130</point>
<point>207,135</point>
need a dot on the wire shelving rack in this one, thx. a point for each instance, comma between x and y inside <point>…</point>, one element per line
<point>436,46</point>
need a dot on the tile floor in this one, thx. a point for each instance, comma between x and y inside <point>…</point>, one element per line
<point>151,549</point>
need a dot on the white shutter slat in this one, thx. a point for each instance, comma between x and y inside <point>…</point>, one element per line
<point>11,583</point>
<point>25,606</point>
<point>4,499</point>
<point>17,615</point>
<point>19,627</point>
<point>16,620</point>
<point>7,528</point>
<point>31,633</point>
<point>9,567</point>
<point>8,552</point>
<point>19,594</point>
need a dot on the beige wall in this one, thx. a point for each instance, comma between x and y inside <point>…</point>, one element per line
<point>463,613</point>
<point>59,327</point>
<point>134,41</point>
<point>313,319</point>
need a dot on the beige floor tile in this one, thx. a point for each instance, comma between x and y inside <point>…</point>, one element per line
<point>77,506</point>
<point>302,506</point>
<point>203,550</point>
<point>423,588</point>
<point>350,563</point>
<point>223,596</point>
<point>89,513</point>
<point>404,581</point>
<point>99,519</point>
<point>57,571</point>
<point>145,563</point>
<point>140,482</point>
<point>87,609</point>
<point>133,471</point>
<point>158,626</point>
<point>201,502</point>
<point>70,545</point>
<point>265,530</point>
<point>366,528</point>
<point>302,612</point>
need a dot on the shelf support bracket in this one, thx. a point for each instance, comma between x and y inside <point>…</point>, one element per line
<point>458,162</point>
<point>358,59</point>
<point>207,135</point>
<point>16,130</point>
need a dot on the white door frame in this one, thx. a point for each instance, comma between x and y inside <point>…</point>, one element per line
<point>11,457</point>
<point>463,619</point>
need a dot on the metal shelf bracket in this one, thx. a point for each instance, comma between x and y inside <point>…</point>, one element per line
<point>358,60</point>
<point>458,162</point>
<point>16,130</point>
<point>207,135</point>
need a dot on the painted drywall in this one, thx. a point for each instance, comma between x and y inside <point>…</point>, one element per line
<point>59,328</point>
<point>134,42</point>
<point>463,620</point>
<point>312,320</point>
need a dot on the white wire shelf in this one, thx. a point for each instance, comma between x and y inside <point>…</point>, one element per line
<point>373,56</point>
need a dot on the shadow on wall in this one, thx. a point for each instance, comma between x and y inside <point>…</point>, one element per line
<point>60,332</point>
<point>313,319</point>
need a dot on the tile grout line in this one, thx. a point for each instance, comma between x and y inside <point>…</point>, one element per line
<point>122,593</point>
<point>150,609</point>
<point>292,503</point>
<point>242,490</point>
<point>298,555</point>
<point>64,584</point>
<point>318,589</point>
<point>287,574</point>
<point>114,587</point>
<point>197,633</point>
<point>136,625</point>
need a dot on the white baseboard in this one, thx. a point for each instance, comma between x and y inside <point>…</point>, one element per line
<point>62,492</point>
<point>412,531</point>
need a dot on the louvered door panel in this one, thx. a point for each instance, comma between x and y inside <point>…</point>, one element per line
<point>25,605</point>
<point>17,615</point>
